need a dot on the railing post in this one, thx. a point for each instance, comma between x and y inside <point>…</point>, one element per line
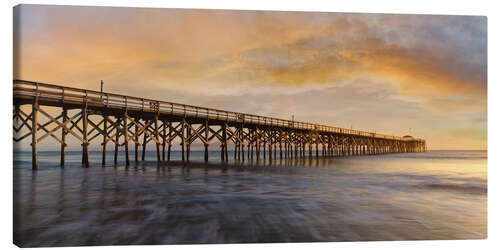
<point>62,98</point>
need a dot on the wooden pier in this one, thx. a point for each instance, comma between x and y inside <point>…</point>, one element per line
<point>110,119</point>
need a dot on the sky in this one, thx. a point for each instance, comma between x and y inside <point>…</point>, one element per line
<point>423,75</point>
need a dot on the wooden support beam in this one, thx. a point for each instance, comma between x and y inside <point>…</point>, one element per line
<point>117,138</point>
<point>85,144</point>
<point>257,144</point>
<point>43,126</point>
<point>235,150</point>
<point>249,151</point>
<point>125,137</point>
<point>169,149</point>
<point>164,141</point>
<point>63,136</point>
<point>158,158</point>
<point>104,135</point>
<point>285,149</point>
<point>144,141</point>
<point>328,146</point>
<point>270,151</point>
<point>24,122</point>
<point>242,137</point>
<point>206,141</point>
<point>264,149</point>
<point>242,144</point>
<point>251,145</point>
<point>16,117</point>
<point>281,143</point>
<point>95,127</point>
<point>238,150</point>
<point>188,142</point>
<point>274,150</point>
<point>183,140</point>
<point>224,139</point>
<point>136,144</point>
<point>34,129</point>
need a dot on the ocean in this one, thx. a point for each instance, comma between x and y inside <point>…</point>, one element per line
<point>436,195</point>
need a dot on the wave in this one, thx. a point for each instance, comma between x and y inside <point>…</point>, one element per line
<point>467,189</point>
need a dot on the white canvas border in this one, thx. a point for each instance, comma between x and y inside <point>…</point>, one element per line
<point>477,7</point>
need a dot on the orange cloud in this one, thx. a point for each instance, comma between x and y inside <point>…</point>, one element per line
<point>437,62</point>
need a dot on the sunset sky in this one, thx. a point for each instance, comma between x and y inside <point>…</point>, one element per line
<point>374,72</point>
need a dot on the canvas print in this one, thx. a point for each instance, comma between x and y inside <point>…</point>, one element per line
<point>147,126</point>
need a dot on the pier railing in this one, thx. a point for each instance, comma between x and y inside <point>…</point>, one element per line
<point>68,95</point>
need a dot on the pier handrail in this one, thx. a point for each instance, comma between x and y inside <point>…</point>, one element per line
<point>71,95</point>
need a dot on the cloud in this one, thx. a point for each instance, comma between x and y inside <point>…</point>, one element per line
<point>336,68</point>
<point>421,71</point>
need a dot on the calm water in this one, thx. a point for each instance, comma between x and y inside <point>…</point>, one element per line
<point>433,195</point>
